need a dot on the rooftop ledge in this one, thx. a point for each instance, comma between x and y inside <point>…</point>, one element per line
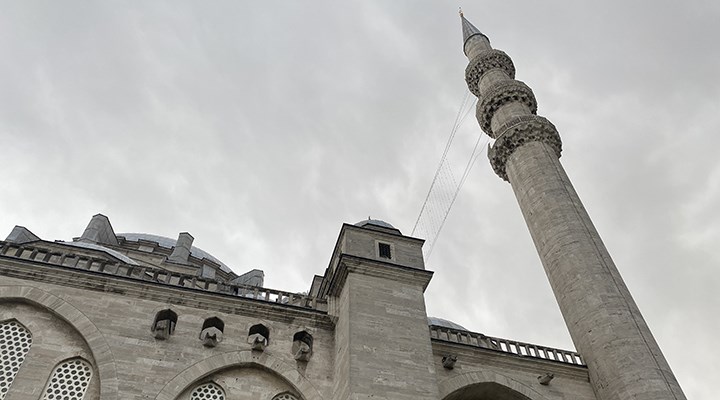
<point>43,252</point>
<point>474,339</point>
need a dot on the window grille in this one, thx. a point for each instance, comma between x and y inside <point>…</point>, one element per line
<point>208,391</point>
<point>69,380</point>
<point>284,396</point>
<point>15,342</point>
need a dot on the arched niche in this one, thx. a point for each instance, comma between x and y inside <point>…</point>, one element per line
<point>89,343</point>
<point>486,391</point>
<point>53,341</point>
<point>486,386</point>
<point>236,371</point>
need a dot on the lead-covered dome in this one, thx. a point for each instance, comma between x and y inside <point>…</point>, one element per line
<point>376,223</point>
<point>169,243</point>
<point>445,323</point>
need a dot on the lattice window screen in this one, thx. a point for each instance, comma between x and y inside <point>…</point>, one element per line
<point>284,396</point>
<point>15,342</point>
<point>69,380</point>
<point>208,391</point>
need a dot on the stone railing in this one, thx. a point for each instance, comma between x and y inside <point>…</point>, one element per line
<point>71,259</point>
<point>445,334</point>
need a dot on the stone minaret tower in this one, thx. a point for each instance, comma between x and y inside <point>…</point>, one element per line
<point>624,361</point>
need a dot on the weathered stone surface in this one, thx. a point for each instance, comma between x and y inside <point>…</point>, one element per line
<point>484,62</point>
<point>623,359</point>
<point>499,94</point>
<point>373,343</point>
<point>517,132</point>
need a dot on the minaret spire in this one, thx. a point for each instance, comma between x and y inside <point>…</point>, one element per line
<point>473,39</point>
<point>624,361</point>
<point>469,30</point>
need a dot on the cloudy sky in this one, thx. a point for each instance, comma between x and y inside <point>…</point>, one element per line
<point>261,127</point>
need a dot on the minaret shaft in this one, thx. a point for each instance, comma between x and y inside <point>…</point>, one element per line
<point>624,361</point>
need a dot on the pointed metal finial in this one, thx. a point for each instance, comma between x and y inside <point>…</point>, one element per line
<point>461,13</point>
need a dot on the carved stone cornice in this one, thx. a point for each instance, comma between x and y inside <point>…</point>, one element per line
<point>352,264</point>
<point>517,132</point>
<point>483,63</point>
<point>499,94</point>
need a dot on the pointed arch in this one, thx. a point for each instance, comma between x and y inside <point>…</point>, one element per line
<point>101,352</point>
<point>241,358</point>
<point>15,343</point>
<point>69,380</point>
<point>284,396</point>
<point>164,324</point>
<point>452,387</point>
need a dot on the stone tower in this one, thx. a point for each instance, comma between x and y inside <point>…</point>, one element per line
<point>376,280</point>
<point>624,361</point>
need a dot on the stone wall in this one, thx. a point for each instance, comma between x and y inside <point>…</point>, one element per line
<point>53,341</point>
<point>148,368</point>
<point>373,343</point>
<point>488,374</point>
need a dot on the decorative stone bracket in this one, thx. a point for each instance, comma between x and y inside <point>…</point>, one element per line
<point>498,95</point>
<point>483,63</point>
<point>449,361</point>
<point>517,132</point>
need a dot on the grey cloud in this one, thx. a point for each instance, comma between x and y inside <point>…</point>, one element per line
<point>261,127</point>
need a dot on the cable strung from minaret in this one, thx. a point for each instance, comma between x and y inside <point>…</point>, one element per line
<point>623,359</point>
<point>444,188</point>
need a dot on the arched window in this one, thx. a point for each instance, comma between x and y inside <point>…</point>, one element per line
<point>208,391</point>
<point>15,342</point>
<point>69,380</point>
<point>284,396</point>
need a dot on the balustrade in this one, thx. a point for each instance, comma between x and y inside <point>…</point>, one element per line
<point>73,260</point>
<point>505,345</point>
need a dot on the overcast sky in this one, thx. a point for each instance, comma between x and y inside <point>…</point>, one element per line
<point>261,127</point>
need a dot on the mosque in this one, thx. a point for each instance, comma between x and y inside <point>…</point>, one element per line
<point>115,316</point>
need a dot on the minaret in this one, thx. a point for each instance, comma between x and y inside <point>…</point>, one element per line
<point>624,361</point>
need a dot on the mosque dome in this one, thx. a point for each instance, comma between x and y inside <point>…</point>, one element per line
<point>95,246</point>
<point>445,323</point>
<point>170,243</point>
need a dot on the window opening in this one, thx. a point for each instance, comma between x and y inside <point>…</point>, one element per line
<point>15,342</point>
<point>384,250</point>
<point>208,391</point>
<point>69,380</point>
<point>284,396</point>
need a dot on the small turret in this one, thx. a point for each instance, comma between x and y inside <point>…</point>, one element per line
<point>99,231</point>
<point>183,247</point>
<point>21,234</point>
